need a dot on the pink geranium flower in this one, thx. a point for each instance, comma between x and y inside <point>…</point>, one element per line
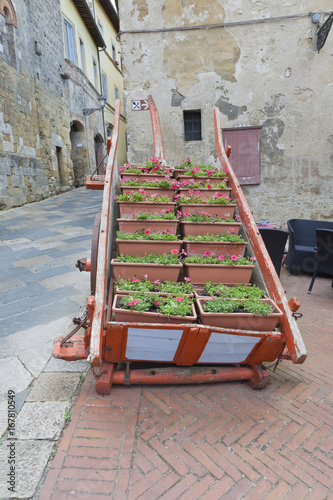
<point>233,257</point>
<point>179,299</point>
<point>221,257</point>
<point>253,258</point>
<point>134,280</point>
<point>147,231</point>
<point>156,282</point>
<point>197,193</point>
<point>183,252</point>
<point>156,302</point>
<point>209,186</point>
<point>174,250</point>
<point>187,279</point>
<point>206,254</point>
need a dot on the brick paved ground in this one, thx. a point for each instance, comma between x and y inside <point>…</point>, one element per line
<point>211,441</point>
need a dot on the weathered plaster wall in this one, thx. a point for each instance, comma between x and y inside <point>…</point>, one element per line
<point>34,116</point>
<point>266,74</point>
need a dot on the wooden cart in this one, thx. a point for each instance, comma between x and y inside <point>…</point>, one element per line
<point>177,353</point>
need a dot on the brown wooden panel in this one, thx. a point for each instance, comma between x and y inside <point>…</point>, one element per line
<point>245,153</point>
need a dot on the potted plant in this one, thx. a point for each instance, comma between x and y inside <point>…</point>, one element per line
<point>204,173</point>
<point>206,223</point>
<point>135,285</point>
<point>219,205</point>
<point>153,266</point>
<point>152,170</point>
<point>144,242</point>
<point>220,244</point>
<point>239,314</point>
<point>164,221</point>
<point>139,202</point>
<point>154,308</point>
<point>231,291</point>
<point>218,269</point>
<point>158,188</point>
<point>205,189</point>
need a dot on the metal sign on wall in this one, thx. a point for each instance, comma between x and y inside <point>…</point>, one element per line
<point>141,105</point>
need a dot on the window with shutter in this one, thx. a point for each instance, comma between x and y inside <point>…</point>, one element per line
<point>245,152</point>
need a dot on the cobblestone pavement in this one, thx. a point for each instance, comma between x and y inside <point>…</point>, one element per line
<point>40,293</point>
<point>207,442</point>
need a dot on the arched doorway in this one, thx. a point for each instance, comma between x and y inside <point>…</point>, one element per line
<point>99,153</point>
<point>79,153</point>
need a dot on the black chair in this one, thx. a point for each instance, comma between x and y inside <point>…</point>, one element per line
<point>302,242</point>
<point>275,241</point>
<point>323,254</point>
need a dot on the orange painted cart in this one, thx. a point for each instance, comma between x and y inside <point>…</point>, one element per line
<point>180,353</point>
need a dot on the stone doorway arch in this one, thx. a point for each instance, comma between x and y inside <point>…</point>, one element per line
<point>79,153</point>
<point>99,153</point>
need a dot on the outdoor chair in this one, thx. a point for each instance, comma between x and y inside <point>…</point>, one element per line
<point>323,254</point>
<point>302,243</point>
<point>275,241</point>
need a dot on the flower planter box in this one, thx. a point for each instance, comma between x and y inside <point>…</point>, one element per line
<point>145,177</point>
<point>126,315</point>
<point>216,248</point>
<point>149,191</point>
<point>199,228</point>
<point>205,191</point>
<point>155,225</point>
<point>218,273</point>
<point>128,270</point>
<point>144,247</point>
<point>223,211</point>
<point>203,179</point>
<point>241,320</point>
<point>128,208</point>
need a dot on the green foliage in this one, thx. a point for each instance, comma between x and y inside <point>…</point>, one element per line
<point>174,287</point>
<point>142,235</point>
<point>170,215</point>
<point>164,183</point>
<point>228,305</point>
<point>67,414</point>
<point>232,238</point>
<point>204,217</point>
<point>201,199</point>
<point>151,258</point>
<point>135,285</point>
<point>234,292</point>
<point>202,185</point>
<point>169,306</point>
<point>208,259</point>
<point>142,197</point>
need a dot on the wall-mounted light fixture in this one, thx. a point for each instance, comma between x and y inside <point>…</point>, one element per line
<point>89,111</point>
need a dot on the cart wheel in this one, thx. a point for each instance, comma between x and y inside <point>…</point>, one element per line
<point>94,253</point>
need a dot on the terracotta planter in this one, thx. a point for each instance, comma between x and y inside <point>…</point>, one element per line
<point>155,225</point>
<point>215,247</point>
<point>212,180</point>
<point>215,228</point>
<point>178,171</point>
<point>128,270</point>
<point>241,320</point>
<point>223,211</point>
<point>205,191</point>
<point>145,177</point>
<point>218,273</point>
<point>144,247</point>
<point>149,191</point>
<point>125,316</point>
<point>128,208</point>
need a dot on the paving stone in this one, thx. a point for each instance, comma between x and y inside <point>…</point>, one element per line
<point>40,316</point>
<point>30,460</point>
<point>11,284</point>
<point>16,241</point>
<point>75,279</point>
<point>3,416</point>
<point>41,420</point>
<point>48,273</point>
<point>54,387</point>
<point>20,398</point>
<point>60,365</point>
<point>13,375</point>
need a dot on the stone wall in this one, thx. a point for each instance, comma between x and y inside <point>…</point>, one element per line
<point>265,74</point>
<point>34,115</point>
